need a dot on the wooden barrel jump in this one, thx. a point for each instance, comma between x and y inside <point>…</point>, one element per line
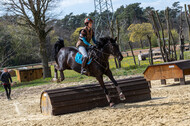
<point>86,97</point>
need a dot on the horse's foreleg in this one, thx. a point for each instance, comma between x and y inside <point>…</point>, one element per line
<point>101,82</point>
<point>121,95</point>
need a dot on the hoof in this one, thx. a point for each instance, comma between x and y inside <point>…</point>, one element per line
<point>54,79</point>
<point>62,79</point>
<point>122,96</point>
<point>112,105</point>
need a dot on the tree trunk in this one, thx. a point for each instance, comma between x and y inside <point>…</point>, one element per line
<point>157,34</point>
<point>118,40</point>
<point>43,53</point>
<point>112,35</point>
<point>187,18</point>
<point>132,52</point>
<point>181,47</point>
<point>163,38</point>
<point>169,30</point>
<point>116,65</point>
<point>150,53</point>
<point>181,38</point>
<point>141,43</point>
<point>174,45</point>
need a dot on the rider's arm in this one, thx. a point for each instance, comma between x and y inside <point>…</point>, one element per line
<point>85,42</point>
<point>94,40</point>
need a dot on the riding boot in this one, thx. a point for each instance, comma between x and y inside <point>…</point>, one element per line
<point>83,66</point>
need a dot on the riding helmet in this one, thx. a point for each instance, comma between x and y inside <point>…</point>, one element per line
<point>87,20</point>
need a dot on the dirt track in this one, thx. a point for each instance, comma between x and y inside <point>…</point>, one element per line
<point>170,105</point>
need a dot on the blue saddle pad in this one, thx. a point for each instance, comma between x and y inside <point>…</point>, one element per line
<point>78,59</point>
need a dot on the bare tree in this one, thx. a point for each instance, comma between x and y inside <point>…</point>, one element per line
<point>150,50</point>
<point>34,14</point>
<point>118,39</point>
<point>131,47</point>
<point>163,38</point>
<point>111,28</point>
<point>187,15</point>
<point>156,30</point>
<point>181,38</point>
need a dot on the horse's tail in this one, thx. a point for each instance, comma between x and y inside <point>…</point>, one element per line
<point>58,45</point>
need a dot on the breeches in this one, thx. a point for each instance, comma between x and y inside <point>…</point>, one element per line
<point>83,51</point>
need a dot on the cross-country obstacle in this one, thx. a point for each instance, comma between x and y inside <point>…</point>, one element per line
<point>86,97</point>
<point>171,70</point>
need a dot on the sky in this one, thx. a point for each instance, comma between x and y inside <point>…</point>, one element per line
<point>87,6</point>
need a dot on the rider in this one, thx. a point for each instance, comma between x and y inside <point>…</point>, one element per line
<point>86,34</point>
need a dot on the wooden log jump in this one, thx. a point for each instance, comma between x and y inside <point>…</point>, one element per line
<point>86,97</point>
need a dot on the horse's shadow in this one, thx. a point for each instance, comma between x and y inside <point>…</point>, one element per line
<point>132,105</point>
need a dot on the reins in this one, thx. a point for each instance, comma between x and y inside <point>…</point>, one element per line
<point>100,58</point>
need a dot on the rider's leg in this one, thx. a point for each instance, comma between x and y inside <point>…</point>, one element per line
<point>84,53</point>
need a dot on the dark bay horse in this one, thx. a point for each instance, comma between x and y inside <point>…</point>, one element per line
<point>65,59</point>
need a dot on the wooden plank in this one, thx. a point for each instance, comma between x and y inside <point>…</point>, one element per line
<point>92,86</point>
<point>77,99</point>
<point>102,103</point>
<point>163,72</point>
<point>140,85</point>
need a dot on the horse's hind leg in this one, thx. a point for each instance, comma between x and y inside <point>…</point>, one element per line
<point>55,72</point>
<point>62,75</point>
<point>101,82</point>
<point>121,95</point>
<point>56,68</point>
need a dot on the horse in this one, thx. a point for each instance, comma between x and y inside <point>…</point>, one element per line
<point>65,59</point>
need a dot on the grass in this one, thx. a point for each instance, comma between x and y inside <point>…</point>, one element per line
<point>128,68</point>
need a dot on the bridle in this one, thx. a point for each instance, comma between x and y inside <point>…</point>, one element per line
<point>103,53</point>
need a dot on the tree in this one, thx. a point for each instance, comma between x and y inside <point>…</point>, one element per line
<point>75,36</point>
<point>33,13</point>
<point>139,32</point>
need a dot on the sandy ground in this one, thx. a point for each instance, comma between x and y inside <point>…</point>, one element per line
<point>170,106</point>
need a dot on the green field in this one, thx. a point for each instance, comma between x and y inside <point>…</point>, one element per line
<point>128,68</point>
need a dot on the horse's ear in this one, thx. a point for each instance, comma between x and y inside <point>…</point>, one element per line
<point>115,39</point>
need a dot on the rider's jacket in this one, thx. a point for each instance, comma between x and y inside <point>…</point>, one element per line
<point>88,34</point>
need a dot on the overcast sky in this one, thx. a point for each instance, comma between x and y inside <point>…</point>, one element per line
<point>87,6</point>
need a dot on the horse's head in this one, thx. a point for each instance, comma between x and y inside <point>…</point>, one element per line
<point>110,46</point>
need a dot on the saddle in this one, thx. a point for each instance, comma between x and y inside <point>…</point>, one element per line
<point>79,57</point>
